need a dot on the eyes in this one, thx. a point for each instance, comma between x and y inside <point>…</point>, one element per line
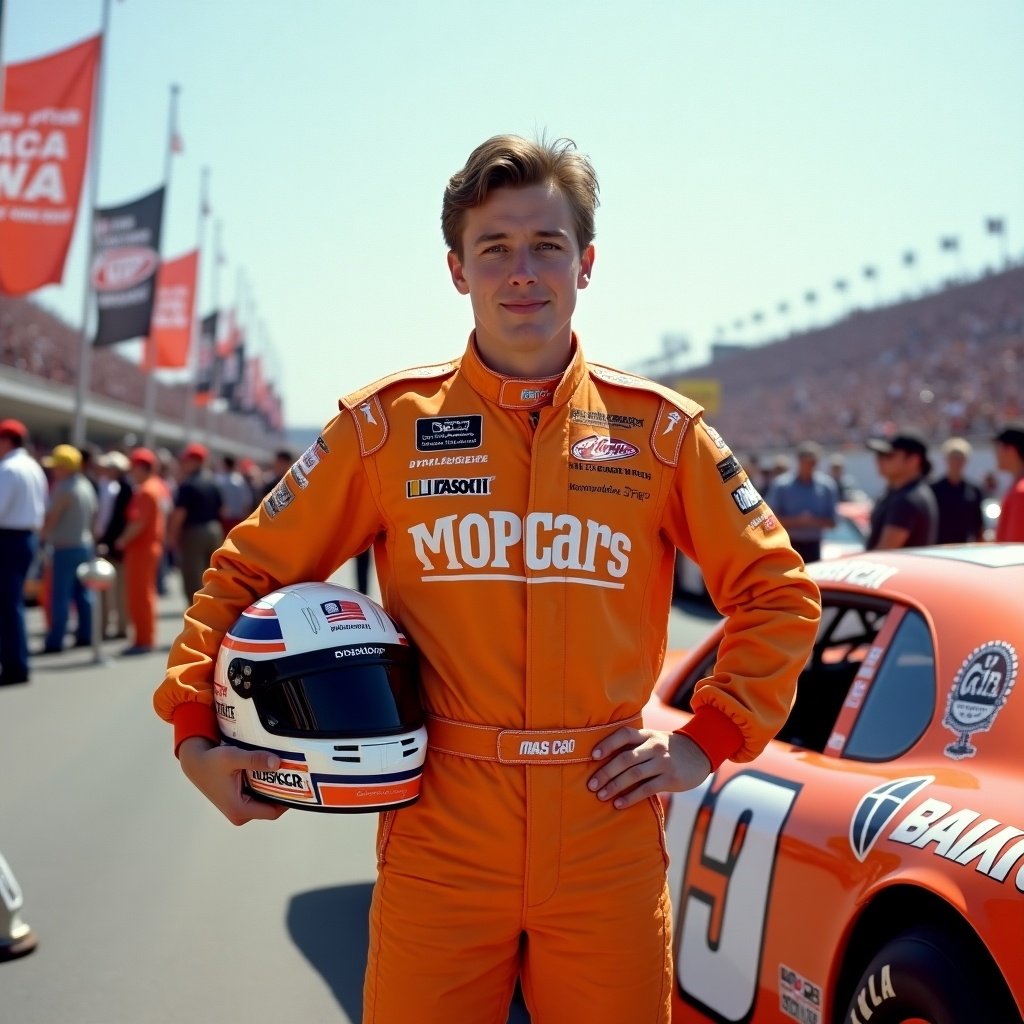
<point>500,248</point>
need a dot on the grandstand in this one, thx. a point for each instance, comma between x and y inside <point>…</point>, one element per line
<point>951,363</point>
<point>39,358</point>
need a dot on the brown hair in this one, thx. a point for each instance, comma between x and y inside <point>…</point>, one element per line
<point>509,161</point>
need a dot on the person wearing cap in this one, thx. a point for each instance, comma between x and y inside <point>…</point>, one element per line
<point>906,515</point>
<point>1009,444</point>
<point>195,531</point>
<point>958,500</point>
<point>804,502</point>
<point>142,543</point>
<point>115,495</point>
<point>23,490</point>
<point>67,530</point>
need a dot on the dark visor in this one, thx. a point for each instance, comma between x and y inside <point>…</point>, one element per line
<point>375,698</point>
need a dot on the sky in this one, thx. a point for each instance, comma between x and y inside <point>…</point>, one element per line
<point>748,151</point>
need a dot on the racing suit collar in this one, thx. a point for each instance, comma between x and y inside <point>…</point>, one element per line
<point>523,392</point>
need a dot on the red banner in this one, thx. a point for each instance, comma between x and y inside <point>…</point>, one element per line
<point>170,335</point>
<point>44,148</point>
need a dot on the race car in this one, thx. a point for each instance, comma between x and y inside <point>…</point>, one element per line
<point>868,867</point>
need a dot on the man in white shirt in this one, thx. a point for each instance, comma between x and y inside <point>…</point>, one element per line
<point>23,491</point>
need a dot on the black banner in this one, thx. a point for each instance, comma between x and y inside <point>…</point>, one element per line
<point>229,370</point>
<point>206,358</point>
<point>124,268</point>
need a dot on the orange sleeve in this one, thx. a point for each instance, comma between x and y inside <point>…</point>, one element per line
<point>756,580</point>
<point>320,514</point>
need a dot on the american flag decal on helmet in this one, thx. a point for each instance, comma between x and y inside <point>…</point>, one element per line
<point>342,611</point>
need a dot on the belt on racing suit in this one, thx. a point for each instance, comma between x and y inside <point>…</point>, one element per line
<point>519,746</point>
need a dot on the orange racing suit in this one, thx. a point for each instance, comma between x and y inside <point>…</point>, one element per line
<point>524,534</point>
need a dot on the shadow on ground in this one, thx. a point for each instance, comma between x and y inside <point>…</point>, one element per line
<point>330,927</point>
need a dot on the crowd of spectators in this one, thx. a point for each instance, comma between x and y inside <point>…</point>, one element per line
<point>951,362</point>
<point>35,342</point>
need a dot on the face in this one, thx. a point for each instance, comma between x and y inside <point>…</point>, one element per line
<point>521,267</point>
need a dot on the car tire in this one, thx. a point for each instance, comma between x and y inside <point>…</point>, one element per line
<point>924,975</point>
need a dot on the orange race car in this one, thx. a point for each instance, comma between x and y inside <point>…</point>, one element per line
<point>868,868</point>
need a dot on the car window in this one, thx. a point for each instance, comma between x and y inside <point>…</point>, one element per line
<point>848,627</point>
<point>846,531</point>
<point>901,701</point>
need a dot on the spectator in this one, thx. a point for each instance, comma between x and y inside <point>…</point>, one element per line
<point>906,515</point>
<point>67,529</point>
<point>237,497</point>
<point>804,502</point>
<point>1010,458</point>
<point>846,485</point>
<point>958,500</point>
<point>194,531</point>
<point>23,489</point>
<point>115,496</point>
<point>142,544</point>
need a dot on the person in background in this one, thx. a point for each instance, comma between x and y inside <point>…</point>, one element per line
<point>846,486</point>
<point>23,492</point>
<point>165,475</point>
<point>194,531</point>
<point>1009,444</point>
<point>142,544</point>
<point>958,500</point>
<point>67,530</point>
<point>237,497</point>
<point>906,515</point>
<point>115,496</point>
<point>804,502</point>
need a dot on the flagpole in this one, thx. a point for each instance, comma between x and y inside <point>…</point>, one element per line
<point>85,343</point>
<point>149,353</point>
<point>208,409</point>
<point>190,389</point>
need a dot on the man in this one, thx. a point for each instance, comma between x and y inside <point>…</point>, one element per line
<point>957,499</point>
<point>195,531</point>
<point>906,515</point>
<point>805,502</point>
<point>142,547</point>
<point>115,496</point>
<point>23,490</point>
<point>67,530</point>
<point>1009,443</point>
<point>524,508</point>
<point>237,497</point>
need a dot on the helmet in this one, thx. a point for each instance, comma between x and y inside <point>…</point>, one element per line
<point>323,677</point>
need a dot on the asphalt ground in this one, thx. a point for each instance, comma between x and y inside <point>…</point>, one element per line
<point>148,906</point>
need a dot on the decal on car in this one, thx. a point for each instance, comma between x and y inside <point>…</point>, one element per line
<point>852,570</point>
<point>720,933</point>
<point>980,689</point>
<point>877,808</point>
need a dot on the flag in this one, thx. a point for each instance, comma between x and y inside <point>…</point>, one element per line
<point>230,362</point>
<point>177,143</point>
<point>206,359</point>
<point>170,335</point>
<point>127,256</point>
<point>44,149</point>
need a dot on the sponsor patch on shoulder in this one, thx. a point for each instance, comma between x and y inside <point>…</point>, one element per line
<point>747,497</point>
<point>728,467</point>
<point>715,436</point>
<point>278,499</point>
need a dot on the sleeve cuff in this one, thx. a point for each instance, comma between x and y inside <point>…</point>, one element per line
<point>194,719</point>
<point>716,734</point>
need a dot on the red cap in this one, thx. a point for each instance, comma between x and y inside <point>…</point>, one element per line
<point>14,428</point>
<point>142,457</point>
<point>195,451</point>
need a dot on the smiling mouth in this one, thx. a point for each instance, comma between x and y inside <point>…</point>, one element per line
<point>524,307</point>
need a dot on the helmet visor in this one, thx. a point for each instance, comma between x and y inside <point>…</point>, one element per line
<point>358,700</point>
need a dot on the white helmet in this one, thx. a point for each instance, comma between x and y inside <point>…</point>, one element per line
<point>323,677</point>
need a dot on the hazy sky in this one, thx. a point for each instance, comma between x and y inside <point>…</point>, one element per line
<point>747,151</point>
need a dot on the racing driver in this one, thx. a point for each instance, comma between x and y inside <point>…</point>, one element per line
<point>524,508</point>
